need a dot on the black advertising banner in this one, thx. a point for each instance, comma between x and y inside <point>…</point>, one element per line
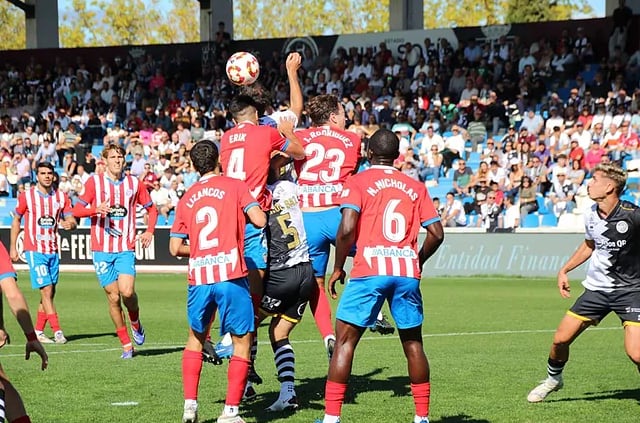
<point>75,248</point>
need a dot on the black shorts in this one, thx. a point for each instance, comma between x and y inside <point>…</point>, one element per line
<point>287,291</point>
<point>595,305</point>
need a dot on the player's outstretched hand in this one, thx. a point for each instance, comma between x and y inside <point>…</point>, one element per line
<point>5,339</point>
<point>145,239</point>
<point>286,126</point>
<point>563,285</point>
<point>336,276</point>
<point>36,346</point>
<point>294,61</point>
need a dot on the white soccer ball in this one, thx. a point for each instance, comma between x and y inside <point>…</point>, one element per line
<point>243,68</point>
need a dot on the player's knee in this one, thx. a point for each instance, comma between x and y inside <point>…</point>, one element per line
<point>127,292</point>
<point>634,356</point>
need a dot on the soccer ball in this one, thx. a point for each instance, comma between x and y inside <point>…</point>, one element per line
<point>243,68</point>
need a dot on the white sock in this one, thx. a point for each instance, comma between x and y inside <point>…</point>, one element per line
<point>188,403</point>
<point>230,410</point>
<point>379,315</point>
<point>418,419</point>
<point>331,419</point>
<point>326,339</point>
<point>226,339</point>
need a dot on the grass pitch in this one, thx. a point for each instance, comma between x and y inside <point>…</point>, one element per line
<point>487,340</point>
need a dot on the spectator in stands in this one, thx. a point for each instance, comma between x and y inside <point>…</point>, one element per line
<point>65,184</point>
<point>511,218</point>
<point>162,200</point>
<point>561,195</point>
<point>23,168</point>
<point>489,213</point>
<point>527,197</point>
<point>576,174</point>
<point>453,215</point>
<point>462,179</point>
<point>622,17</point>
<point>46,152</point>
<point>453,147</point>
<point>430,163</point>
<point>593,156</point>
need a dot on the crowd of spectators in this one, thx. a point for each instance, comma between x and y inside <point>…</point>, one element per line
<point>533,118</point>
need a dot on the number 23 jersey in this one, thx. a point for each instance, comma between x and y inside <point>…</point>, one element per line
<point>331,158</point>
<point>392,208</point>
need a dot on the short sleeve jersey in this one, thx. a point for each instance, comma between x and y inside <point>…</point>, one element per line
<point>331,158</point>
<point>287,237</point>
<point>6,268</point>
<point>41,213</point>
<point>245,152</point>
<point>211,216</point>
<point>115,232</point>
<point>392,208</point>
<point>615,262</point>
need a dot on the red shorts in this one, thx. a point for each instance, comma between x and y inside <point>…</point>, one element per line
<point>6,268</point>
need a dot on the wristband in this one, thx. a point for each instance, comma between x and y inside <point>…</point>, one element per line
<point>31,336</point>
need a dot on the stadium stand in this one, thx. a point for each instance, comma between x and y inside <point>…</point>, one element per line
<point>510,108</point>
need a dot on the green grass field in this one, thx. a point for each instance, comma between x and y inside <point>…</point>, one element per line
<point>487,340</point>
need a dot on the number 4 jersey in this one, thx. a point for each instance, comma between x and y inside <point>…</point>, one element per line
<point>211,216</point>
<point>392,208</point>
<point>245,152</point>
<point>331,157</point>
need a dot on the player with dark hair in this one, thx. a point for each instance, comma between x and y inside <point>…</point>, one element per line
<point>289,280</point>
<point>331,157</point>
<point>612,283</point>
<point>382,213</point>
<point>11,405</point>
<point>110,200</point>
<point>211,216</point>
<point>42,208</point>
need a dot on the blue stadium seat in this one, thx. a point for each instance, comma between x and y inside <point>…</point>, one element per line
<point>542,207</point>
<point>531,220</point>
<point>549,220</point>
<point>628,197</point>
<point>96,150</point>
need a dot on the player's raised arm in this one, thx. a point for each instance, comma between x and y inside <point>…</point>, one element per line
<point>294,148</point>
<point>294,61</point>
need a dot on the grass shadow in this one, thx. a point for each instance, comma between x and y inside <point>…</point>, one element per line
<point>460,418</point>
<point>157,351</point>
<point>77,337</point>
<point>310,393</point>
<point>619,394</point>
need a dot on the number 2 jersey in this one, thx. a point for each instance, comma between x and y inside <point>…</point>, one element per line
<point>615,262</point>
<point>392,208</point>
<point>245,152</point>
<point>41,213</point>
<point>331,158</point>
<point>287,237</point>
<point>211,216</point>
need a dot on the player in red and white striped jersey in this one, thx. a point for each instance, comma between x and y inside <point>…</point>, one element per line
<point>382,212</point>
<point>11,405</point>
<point>211,216</point>
<point>42,207</point>
<point>332,156</point>
<point>110,200</point>
<point>245,153</point>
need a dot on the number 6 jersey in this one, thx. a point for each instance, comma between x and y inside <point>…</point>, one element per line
<point>392,208</point>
